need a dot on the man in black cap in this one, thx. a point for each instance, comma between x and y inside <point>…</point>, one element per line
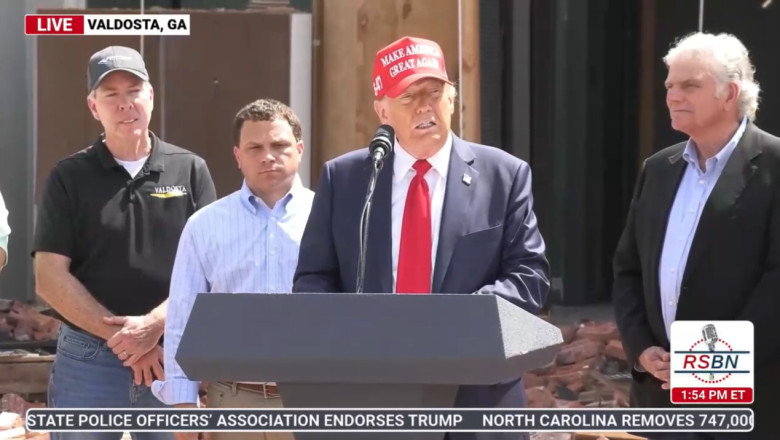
<point>106,235</point>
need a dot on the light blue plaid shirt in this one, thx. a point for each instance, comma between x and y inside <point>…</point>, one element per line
<point>234,245</point>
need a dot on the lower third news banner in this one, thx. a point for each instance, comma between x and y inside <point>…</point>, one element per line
<point>392,420</point>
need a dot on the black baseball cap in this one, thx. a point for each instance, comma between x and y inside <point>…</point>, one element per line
<point>111,59</point>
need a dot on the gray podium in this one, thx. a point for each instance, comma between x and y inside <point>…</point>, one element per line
<point>363,351</point>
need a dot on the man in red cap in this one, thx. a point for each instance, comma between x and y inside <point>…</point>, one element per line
<point>449,216</point>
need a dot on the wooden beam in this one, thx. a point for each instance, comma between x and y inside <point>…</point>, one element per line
<point>317,103</point>
<point>26,374</point>
<point>351,33</point>
<point>470,81</point>
<point>647,81</point>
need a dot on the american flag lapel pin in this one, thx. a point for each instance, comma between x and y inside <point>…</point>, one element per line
<point>466,179</point>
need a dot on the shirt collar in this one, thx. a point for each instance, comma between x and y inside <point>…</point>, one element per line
<point>404,161</point>
<point>691,154</point>
<point>253,203</point>
<point>154,163</point>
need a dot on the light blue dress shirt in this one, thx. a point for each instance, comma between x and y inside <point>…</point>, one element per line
<point>692,195</point>
<point>234,245</point>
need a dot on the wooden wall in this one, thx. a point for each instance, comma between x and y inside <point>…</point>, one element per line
<point>348,33</point>
<point>200,82</point>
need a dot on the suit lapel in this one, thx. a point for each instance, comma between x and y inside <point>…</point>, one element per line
<point>669,182</point>
<point>455,213</point>
<point>724,196</point>
<point>379,259</point>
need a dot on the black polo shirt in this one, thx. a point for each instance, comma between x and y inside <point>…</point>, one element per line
<point>120,232</point>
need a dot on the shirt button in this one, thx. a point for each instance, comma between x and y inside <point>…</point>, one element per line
<point>257,263</point>
<point>701,181</point>
<point>672,270</point>
<point>271,253</point>
<point>271,236</point>
<point>671,303</point>
<point>691,211</point>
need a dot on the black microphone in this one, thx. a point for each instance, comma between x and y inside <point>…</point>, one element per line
<point>379,148</point>
<point>382,144</point>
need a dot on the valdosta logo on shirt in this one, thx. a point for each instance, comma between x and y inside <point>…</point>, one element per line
<point>166,192</point>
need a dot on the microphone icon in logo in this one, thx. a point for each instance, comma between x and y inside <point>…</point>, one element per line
<point>710,336</point>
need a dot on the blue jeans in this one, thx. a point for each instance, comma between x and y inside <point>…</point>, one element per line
<point>87,374</point>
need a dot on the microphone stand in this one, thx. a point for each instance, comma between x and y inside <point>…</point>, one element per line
<point>364,222</point>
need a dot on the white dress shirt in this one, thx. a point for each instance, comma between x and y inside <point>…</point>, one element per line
<point>436,178</point>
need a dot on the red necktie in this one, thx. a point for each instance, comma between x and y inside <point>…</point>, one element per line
<point>414,256</point>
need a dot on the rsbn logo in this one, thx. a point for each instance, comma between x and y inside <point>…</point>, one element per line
<point>712,362</point>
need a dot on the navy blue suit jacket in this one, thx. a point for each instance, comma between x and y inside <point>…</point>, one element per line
<point>489,242</point>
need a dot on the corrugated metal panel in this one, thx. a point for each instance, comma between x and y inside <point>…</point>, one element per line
<point>491,58</point>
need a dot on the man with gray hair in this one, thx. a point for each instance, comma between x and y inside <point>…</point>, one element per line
<point>702,239</point>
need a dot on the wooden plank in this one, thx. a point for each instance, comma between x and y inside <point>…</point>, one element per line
<point>26,376</point>
<point>647,82</point>
<point>469,99</point>
<point>317,104</point>
<point>25,359</point>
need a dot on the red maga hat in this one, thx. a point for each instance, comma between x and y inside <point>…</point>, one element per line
<point>405,61</point>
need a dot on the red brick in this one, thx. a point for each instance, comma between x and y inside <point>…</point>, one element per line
<point>581,365</point>
<point>5,326</point>
<point>622,399</point>
<point>27,324</point>
<point>569,332</point>
<point>601,332</point>
<point>568,403</point>
<point>531,380</point>
<point>544,370</point>
<point>539,398</point>
<point>569,374</point>
<point>16,404</point>
<point>577,351</point>
<point>576,386</point>
<point>564,378</point>
<point>614,350</point>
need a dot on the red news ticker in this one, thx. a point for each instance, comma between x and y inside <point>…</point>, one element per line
<point>54,25</point>
<point>712,395</point>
